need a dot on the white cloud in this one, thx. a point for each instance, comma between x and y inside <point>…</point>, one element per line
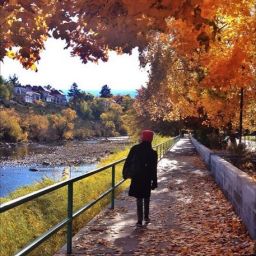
<point>60,70</point>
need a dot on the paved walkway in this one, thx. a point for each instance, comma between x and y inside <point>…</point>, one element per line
<point>190,216</point>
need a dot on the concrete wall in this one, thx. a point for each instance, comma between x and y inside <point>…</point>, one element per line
<point>239,188</point>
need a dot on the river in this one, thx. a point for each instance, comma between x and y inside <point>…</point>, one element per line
<point>12,178</point>
<point>25,164</point>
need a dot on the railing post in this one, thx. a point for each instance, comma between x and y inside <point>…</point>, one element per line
<point>113,187</point>
<point>70,218</point>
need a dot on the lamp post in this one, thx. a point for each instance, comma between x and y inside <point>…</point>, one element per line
<point>241,114</point>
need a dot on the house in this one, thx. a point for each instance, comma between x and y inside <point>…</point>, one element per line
<point>26,94</point>
<point>30,94</point>
<point>45,93</point>
<point>19,90</point>
<point>46,96</point>
<point>59,97</point>
<point>28,97</point>
<point>36,93</point>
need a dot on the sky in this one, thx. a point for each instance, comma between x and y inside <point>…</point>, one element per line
<point>60,70</point>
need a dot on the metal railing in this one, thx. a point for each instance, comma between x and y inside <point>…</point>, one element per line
<point>161,150</point>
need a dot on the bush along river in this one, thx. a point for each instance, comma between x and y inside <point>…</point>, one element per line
<point>28,163</point>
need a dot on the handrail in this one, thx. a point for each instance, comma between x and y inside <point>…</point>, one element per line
<point>161,150</point>
<point>20,200</point>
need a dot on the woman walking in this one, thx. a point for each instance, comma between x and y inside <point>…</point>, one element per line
<point>142,163</point>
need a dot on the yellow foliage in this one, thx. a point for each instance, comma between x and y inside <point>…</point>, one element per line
<point>10,54</point>
<point>62,125</point>
<point>207,44</point>
<point>38,126</point>
<point>10,129</point>
<point>69,114</point>
<point>68,135</point>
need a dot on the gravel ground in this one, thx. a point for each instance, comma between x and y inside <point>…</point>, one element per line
<point>71,153</point>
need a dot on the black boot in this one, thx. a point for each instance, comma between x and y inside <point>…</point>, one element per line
<point>146,210</point>
<point>139,212</point>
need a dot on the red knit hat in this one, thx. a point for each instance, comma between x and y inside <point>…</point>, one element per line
<point>147,135</point>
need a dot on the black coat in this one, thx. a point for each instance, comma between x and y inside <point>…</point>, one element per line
<point>145,176</point>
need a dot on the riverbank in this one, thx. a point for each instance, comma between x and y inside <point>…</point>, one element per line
<point>67,153</point>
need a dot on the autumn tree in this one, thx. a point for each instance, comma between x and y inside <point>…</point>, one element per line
<point>98,106</point>
<point>10,126</point>
<point>210,45</point>
<point>38,127</point>
<point>188,80</point>
<point>70,116</point>
<point>125,101</point>
<point>63,125</point>
<point>85,110</point>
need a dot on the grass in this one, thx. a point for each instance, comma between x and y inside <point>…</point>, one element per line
<point>28,221</point>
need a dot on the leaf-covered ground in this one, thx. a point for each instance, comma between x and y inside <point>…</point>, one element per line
<point>189,216</point>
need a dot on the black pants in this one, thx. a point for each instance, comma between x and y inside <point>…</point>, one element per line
<point>142,204</point>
